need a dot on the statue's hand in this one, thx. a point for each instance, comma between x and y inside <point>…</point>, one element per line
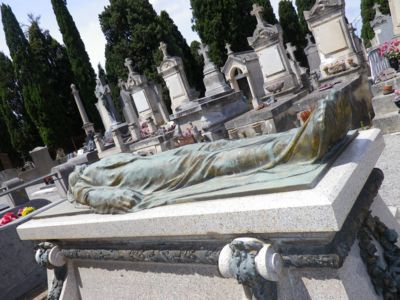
<point>113,201</point>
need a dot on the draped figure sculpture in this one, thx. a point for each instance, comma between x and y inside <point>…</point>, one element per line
<point>128,182</point>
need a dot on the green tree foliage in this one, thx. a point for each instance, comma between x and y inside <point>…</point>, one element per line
<point>194,48</point>
<point>20,134</point>
<point>55,75</point>
<point>85,77</point>
<point>134,30</point>
<point>368,14</point>
<point>302,6</point>
<point>268,13</point>
<point>24,67</point>
<point>131,29</point>
<point>292,31</point>
<point>223,21</point>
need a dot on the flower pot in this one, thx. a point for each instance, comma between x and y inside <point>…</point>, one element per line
<point>394,63</point>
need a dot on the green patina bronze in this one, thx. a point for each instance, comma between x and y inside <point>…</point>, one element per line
<point>278,162</point>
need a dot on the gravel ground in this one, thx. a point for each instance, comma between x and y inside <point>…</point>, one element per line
<point>389,163</point>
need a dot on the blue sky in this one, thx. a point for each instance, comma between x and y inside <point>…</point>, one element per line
<point>85,14</point>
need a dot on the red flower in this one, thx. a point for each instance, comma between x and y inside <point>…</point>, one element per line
<point>7,218</point>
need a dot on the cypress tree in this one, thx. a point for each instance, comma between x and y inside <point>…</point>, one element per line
<point>85,77</point>
<point>292,31</point>
<point>302,6</point>
<point>21,133</point>
<point>368,14</point>
<point>131,29</point>
<point>55,77</point>
<point>24,67</point>
<point>268,13</point>
<point>223,21</point>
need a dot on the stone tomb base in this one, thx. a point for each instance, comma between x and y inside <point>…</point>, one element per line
<point>289,245</point>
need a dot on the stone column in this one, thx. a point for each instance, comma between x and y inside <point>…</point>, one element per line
<point>255,101</point>
<point>87,125</point>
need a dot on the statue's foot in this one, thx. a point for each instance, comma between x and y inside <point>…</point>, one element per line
<point>116,201</point>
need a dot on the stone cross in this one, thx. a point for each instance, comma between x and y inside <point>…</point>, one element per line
<point>377,10</point>
<point>163,48</point>
<point>129,65</point>
<point>228,48</point>
<point>204,52</point>
<point>308,37</point>
<point>257,12</point>
<point>291,49</point>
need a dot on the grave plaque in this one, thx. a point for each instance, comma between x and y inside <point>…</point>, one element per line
<point>330,37</point>
<point>140,101</point>
<point>271,61</point>
<point>174,86</point>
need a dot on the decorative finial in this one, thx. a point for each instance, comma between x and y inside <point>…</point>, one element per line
<point>73,88</point>
<point>291,49</point>
<point>228,48</point>
<point>377,10</point>
<point>308,37</point>
<point>204,52</point>
<point>163,48</point>
<point>129,65</point>
<point>257,11</point>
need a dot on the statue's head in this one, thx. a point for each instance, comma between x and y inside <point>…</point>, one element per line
<point>72,181</point>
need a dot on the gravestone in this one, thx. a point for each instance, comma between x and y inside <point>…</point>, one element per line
<point>290,50</point>
<point>173,73</point>
<point>214,80</point>
<point>382,26</point>
<point>311,51</point>
<point>129,111</point>
<point>267,41</point>
<point>395,12</point>
<point>145,98</point>
<point>327,21</point>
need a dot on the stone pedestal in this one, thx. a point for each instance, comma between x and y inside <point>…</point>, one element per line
<point>310,243</point>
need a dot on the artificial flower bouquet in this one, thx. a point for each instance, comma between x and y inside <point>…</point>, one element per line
<point>10,216</point>
<point>390,50</point>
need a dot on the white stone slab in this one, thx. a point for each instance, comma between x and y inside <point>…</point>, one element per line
<point>321,210</point>
<point>330,37</point>
<point>174,85</point>
<point>140,100</point>
<point>271,61</point>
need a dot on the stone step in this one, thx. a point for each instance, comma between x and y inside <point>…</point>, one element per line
<point>377,89</point>
<point>384,104</point>
<point>388,123</point>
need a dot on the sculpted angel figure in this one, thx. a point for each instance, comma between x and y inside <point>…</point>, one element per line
<point>128,182</point>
